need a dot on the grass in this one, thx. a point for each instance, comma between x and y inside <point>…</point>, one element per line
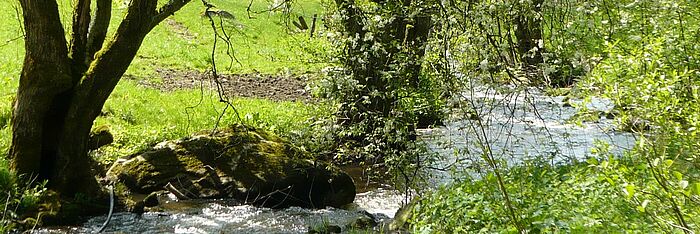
<point>139,116</point>
<point>11,54</point>
<point>261,43</point>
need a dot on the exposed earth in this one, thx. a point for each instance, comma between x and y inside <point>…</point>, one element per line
<point>271,87</point>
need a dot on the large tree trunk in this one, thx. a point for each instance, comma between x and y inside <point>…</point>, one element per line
<point>45,76</point>
<point>60,93</point>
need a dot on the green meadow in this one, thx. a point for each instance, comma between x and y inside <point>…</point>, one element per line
<point>262,40</point>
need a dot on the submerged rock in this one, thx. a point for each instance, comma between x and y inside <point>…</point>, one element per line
<point>324,229</point>
<point>252,166</point>
<point>366,221</point>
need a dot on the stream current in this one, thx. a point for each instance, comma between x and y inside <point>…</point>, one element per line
<point>512,126</point>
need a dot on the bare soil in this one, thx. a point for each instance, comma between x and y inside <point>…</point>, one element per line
<point>247,85</point>
<point>181,30</point>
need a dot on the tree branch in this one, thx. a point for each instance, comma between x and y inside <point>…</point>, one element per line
<point>45,46</point>
<point>98,28</point>
<point>167,10</point>
<point>112,61</point>
<point>81,24</point>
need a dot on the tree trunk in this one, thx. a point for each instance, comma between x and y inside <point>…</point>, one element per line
<point>412,28</point>
<point>45,76</point>
<point>61,94</point>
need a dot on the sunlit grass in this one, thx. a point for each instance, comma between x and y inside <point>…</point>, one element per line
<point>139,117</point>
<point>262,43</point>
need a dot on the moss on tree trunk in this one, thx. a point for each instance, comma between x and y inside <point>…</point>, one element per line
<point>60,93</point>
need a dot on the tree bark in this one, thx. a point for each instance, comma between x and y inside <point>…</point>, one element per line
<point>45,75</point>
<point>59,96</point>
<point>98,28</point>
<point>79,36</point>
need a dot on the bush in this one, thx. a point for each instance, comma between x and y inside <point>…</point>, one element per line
<point>571,198</point>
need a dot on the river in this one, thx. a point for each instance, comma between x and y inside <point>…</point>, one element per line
<point>512,125</point>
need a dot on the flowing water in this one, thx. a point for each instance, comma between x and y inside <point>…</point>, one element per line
<point>222,216</point>
<point>515,125</point>
<point>511,126</point>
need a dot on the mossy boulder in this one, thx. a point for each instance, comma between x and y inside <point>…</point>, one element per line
<point>99,137</point>
<point>250,165</point>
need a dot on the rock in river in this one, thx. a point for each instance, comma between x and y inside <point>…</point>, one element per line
<point>239,162</point>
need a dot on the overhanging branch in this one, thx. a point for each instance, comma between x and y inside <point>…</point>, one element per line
<point>98,28</point>
<point>81,24</point>
<point>167,10</point>
<point>113,60</point>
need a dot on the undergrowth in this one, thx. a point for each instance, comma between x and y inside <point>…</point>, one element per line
<point>641,55</point>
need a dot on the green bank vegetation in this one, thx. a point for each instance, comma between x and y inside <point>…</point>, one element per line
<point>641,54</point>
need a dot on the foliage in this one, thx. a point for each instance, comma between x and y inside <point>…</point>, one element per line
<point>20,198</point>
<point>653,77</point>
<point>379,91</point>
<point>382,85</point>
<point>568,198</point>
<point>659,182</point>
<point>574,37</point>
<point>654,81</point>
<point>642,55</point>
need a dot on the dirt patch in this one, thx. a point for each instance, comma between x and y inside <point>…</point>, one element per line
<point>180,29</point>
<point>248,85</point>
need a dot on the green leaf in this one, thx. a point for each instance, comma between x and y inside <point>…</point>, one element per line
<point>630,189</point>
<point>678,175</point>
<point>696,188</point>
<point>643,206</point>
<point>610,181</point>
<point>592,161</point>
<point>668,163</point>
